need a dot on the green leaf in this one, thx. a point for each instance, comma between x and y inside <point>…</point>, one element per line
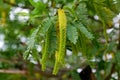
<point>53,41</point>
<point>32,38</point>
<point>31,42</point>
<point>118,5</point>
<point>82,13</point>
<point>45,52</point>
<point>49,46</point>
<point>32,2</point>
<point>84,30</point>
<point>72,33</point>
<point>39,7</point>
<point>46,25</point>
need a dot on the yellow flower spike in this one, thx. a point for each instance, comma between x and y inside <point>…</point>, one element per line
<point>61,40</point>
<point>62,34</point>
<point>62,18</point>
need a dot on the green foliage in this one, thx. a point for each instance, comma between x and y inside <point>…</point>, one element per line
<point>45,52</point>
<point>46,25</point>
<point>39,7</point>
<point>84,30</point>
<point>117,5</point>
<point>56,67</point>
<point>72,33</point>
<point>90,37</point>
<point>31,43</point>
<point>82,13</point>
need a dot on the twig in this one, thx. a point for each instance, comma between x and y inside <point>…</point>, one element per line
<point>13,71</point>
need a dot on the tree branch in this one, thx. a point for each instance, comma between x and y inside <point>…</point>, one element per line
<point>13,71</point>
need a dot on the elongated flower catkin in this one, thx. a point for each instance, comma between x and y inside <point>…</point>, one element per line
<point>45,51</point>
<point>61,40</point>
<point>62,19</point>
<point>62,34</point>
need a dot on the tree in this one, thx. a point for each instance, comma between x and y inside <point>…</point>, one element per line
<point>56,39</point>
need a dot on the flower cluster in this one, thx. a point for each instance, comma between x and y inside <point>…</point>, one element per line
<point>116,21</point>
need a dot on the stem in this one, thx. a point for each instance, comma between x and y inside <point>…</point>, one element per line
<point>13,71</point>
